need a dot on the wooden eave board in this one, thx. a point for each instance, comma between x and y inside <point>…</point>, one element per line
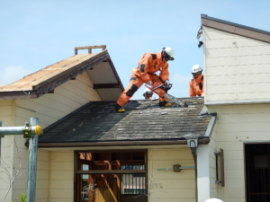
<point>235,28</point>
<point>28,82</point>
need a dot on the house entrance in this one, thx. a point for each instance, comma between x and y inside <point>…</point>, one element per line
<point>257,172</point>
<point>115,176</point>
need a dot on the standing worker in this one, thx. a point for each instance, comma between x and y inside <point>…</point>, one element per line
<point>148,65</point>
<point>196,84</point>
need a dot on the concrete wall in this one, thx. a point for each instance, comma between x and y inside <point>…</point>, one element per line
<point>235,126</point>
<point>168,185</point>
<point>236,68</point>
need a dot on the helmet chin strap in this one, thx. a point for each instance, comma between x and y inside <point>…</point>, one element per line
<point>165,56</point>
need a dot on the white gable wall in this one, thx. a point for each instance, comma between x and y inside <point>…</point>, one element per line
<point>237,68</point>
<point>65,99</point>
<point>237,87</point>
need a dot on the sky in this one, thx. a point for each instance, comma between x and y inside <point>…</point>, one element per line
<point>35,33</point>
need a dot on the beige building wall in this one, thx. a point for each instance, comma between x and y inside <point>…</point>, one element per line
<point>48,108</point>
<point>168,185</point>
<point>55,177</point>
<point>61,176</point>
<point>65,99</point>
<point>7,114</point>
<point>236,68</point>
<point>235,126</point>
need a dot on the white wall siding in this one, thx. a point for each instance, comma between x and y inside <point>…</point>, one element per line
<point>61,176</point>
<point>237,68</point>
<point>65,99</point>
<point>42,184</point>
<point>237,125</point>
<point>168,185</point>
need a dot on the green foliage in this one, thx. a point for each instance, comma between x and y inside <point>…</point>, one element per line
<point>23,198</point>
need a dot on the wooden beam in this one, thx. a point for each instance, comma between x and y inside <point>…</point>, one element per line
<point>90,48</point>
<point>106,85</point>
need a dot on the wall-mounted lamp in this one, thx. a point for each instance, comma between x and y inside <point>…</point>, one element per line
<point>199,36</point>
<point>200,44</point>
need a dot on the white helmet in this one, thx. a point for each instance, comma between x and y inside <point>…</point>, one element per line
<point>169,52</point>
<point>196,69</point>
<point>147,92</point>
<point>213,200</point>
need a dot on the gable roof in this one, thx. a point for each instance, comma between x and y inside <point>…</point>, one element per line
<point>143,123</point>
<point>235,28</point>
<point>99,67</point>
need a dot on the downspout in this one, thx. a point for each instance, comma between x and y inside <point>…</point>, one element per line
<point>192,143</point>
<point>201,193</point>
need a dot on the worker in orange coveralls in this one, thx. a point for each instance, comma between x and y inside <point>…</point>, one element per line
<point>196,84</point>
<point>148,65</point>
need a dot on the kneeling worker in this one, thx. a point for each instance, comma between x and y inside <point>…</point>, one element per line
<point>149,64</point>
<point>196,84</point>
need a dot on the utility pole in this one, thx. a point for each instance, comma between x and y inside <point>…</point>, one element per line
<point>31,131</point>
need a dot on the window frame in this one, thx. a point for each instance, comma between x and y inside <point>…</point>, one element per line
<point>79,172</point>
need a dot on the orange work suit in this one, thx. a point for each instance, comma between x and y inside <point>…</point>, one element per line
<point>196,86</point>
<point>148,65</point>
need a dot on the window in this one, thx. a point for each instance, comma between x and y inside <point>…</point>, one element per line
<point>257,159</point>
<point>110,176</point>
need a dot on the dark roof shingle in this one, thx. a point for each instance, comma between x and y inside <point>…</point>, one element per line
<point>97,122</point>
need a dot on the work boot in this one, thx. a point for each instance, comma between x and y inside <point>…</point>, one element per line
<point>119,109</point>
<point>165,104</point>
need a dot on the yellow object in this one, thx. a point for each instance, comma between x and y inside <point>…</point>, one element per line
<point>168,104</point>
<point>121,110</point>
<point>38,130</point>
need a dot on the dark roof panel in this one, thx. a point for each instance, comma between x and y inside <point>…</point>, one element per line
<point>98,122</point>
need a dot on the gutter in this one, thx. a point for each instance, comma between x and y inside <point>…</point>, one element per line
<point>120,143</point>
<point>211,124</point>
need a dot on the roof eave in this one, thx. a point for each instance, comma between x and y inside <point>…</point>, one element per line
<point>235,28</point>
<point>18,94</point>
<point>202,140</point>
<point>49,85</point>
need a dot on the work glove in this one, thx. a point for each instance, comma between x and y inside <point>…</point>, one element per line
<point>167,85</point>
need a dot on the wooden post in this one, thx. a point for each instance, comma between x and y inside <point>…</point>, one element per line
<point>32,164</point>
